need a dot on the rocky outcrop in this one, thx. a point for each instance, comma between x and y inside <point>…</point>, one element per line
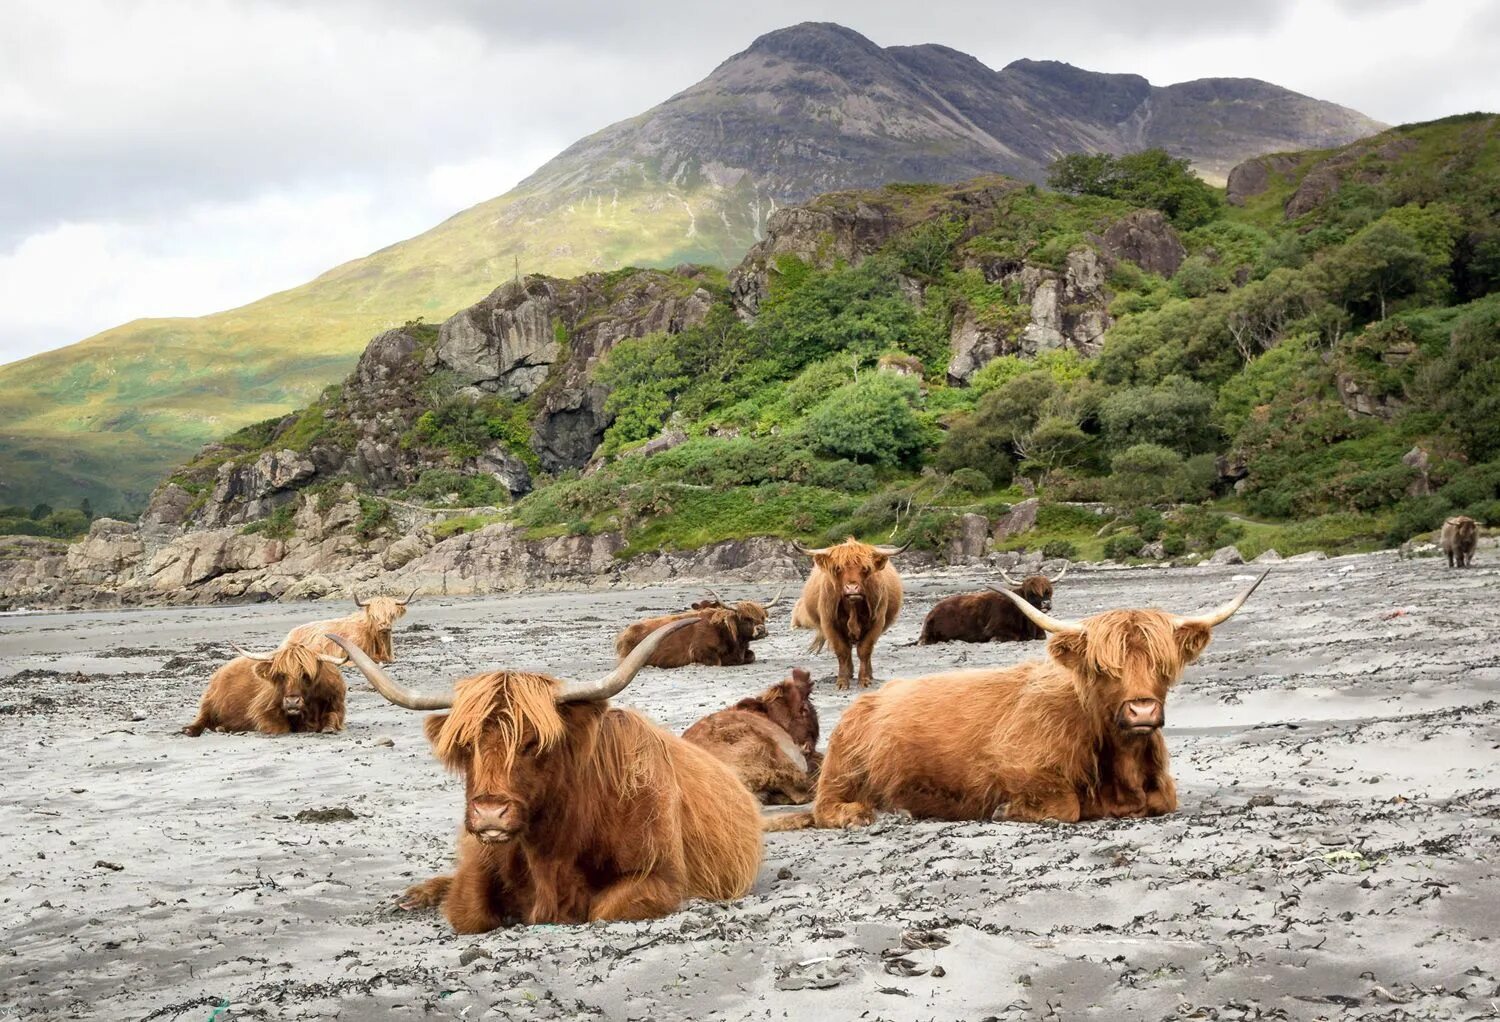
<point>1021,518</point>
<point>1145,238</point>
<point>1253,177</point>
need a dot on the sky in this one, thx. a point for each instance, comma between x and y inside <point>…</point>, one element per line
<point>178,157</point>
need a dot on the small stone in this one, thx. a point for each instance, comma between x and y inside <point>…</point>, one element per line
<point>385,742</point>
<point>469,955</point>
<point>783,874</point>
<point>938,972</point>
<point>102,864</point>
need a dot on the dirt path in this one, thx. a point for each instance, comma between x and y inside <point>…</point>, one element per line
<point>1335,856</point>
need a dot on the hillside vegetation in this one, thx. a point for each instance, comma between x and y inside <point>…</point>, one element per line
<point>1322,370</point>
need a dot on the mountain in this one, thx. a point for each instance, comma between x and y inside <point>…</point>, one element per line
<point>804,110</point>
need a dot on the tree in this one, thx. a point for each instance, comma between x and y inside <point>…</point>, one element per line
<point>1152,178</point>
<point>871,420</point>
<point>1176,413</point>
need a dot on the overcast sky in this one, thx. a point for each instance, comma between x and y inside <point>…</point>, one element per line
<point>176,157</point>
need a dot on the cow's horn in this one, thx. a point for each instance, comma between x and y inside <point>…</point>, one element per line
<point>329,658</point>
<point>1222,613</point>
<point>892,551</point>
<point>714,596</point>
<point>1045,622</point>
<point>408,597</point>
<point>263,658</point>
<point>358,602</point>
<point>1006,575</point>
<point>613,683</point>
<point>811,551</point>
<point>1060,574</point>
<point>409,698</point>
<point>777,598</point>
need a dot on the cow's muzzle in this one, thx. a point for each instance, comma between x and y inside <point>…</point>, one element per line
<point>493,822</point>
<point>854,592</point>
<point>1140,716</point>
<point>292,706</point>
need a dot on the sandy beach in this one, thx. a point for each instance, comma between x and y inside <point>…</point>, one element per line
<point>1335,856</point>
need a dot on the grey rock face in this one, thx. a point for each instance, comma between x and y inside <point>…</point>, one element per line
<point>1146,239</point>
<point>1021,518</point>
<point>1226,555</point>
<point>972,540</point>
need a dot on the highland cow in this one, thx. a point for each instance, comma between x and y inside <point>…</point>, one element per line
<point>370,629</point>
<point>1459,538</point>
<point>1076,736</point>
<point>850,598</point>
<point>719,637</point>
<point>768,740</point>
<point>575,811</point>
<point>293,689</point>
<point>989,616</point>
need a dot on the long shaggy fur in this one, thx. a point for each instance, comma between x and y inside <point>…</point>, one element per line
<point>1035,741</point>
<point>987,616</point>
<point>1459,538</point>
<point>619,819</point>
<point>369,628</point>
<point>769,740</point>
<point>246,695</point>
<point>844,623</point>
<point>721,638</point>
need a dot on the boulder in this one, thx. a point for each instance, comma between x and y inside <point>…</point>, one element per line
<point>1154,550</point>
<point>1020,518</point>
<point>1146,239</point>
<point>110,548</point>
<point>1419,461</point>
<point>971,541</point>
<point>1311,555</point>
<point>1227,555</point>
<point>1267,557</point>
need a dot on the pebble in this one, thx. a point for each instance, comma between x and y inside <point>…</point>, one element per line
<point>386,742</point>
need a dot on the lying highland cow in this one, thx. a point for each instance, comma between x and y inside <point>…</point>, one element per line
<point>768,740</point>
<point>989,616</point>
<point>1076,736</point>
<point>719,637</point>
<point>293,689</point>
<point>850,598</point>
<point>576,811</point>
<point>1459,538</point>
<point>370,629</point>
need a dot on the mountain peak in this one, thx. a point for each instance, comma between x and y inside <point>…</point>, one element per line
<point>814,42</point>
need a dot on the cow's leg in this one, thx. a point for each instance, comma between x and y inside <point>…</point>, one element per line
<point>866,650</point>
<point>1033,807</point>
<point>846,659</point>
<point>842,799</point>
<point>637,896</point>
<point>198,726</point>
<point>471,904</point>
<point>333,722</point>
<point>427,894</point>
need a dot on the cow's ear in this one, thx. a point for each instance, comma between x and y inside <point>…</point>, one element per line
<point>802,680</point>
<point>433,726</point>
<point>1192,639</point>
<point>881,560</point>
<point>820,560</point>
<point>1068,649</point>
<point>262,671</point>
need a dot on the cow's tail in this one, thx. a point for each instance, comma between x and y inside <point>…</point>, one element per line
<point>817,643</point>
<point>772,823</point>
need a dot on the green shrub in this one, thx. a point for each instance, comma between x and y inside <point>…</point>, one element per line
<point>871,421</point>
<point>374,515</point>
<point>279,524</point>
<point>1060,548</point>
<point>971,481</point>
<point>1123,545</point>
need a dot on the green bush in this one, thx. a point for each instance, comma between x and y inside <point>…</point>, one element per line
<point>1123,545</point>
<point>971,481</point>
<point>279,524</point>
<point>871,421</point>
<point>1060,548</point>
<point>374,515</point>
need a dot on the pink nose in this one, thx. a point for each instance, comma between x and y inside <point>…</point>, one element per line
<point>292,704</point>
<point>1141,713</point>
<point>492,820</point>
<point>853,590</point>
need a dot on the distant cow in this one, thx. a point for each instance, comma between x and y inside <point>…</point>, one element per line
<point>1075,736</point>
<point>575,811</point>
<point>1459,538</point>
<point>719,637</point>
<point>851,597</point>
<point>293,689</point>
<point>768,740</point>
<point>989,616</point>
<point>370,629</point>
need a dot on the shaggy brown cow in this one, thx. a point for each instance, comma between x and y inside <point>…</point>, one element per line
<point>575,811</point>
<point>720,636</point>
<point>850,598</point>
<point>1073,737</point>
<point>370,629</point>
<point>292,689</point>
<point>989,616</point>
<point>1459,538</point>
<point>767,740</point>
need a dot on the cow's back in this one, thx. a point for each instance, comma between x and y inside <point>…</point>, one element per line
<point>720,824</point>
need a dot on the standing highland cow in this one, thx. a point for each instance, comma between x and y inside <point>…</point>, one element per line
<point>575,811</point>
<point>1076,736</point>
<point>768,740</point>
<point>370,629</point>
<point>850,598</point>
<point>1459,538</point>
<point>292,689</point>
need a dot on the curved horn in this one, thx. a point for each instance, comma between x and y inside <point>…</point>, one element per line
<point>1045,622</point>
<point>613,683</point>
<point>714,596</point>
<point>265,659</point>
<point>1060,574</point>
<point>892,551</point>
<point>1006,575</point>
<point>811,551</point>
<point>358,602</point>
<point>1222,613</point>
<point>777,598</point>
<point>337,661</point>
<point>408,597</point>
<point>409,698</point>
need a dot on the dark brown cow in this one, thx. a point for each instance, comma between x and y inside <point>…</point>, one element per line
<point>851,596</point>
<point>719,637</point>
<point>575,811</point>
<point>989,616</point>
<point>768,740</point>
<point>293,689</point>
<point>1459,538</point>
<point>1075,736</point>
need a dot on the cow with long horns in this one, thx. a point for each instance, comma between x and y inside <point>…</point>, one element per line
<point>369,629</point>
<point>576,811</point>
<point>720,634</point>
<point>1075,736</point>
<point>768,740</point>
<point>851,596</point>
<point>988,616</point>
<point>294,688</point>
